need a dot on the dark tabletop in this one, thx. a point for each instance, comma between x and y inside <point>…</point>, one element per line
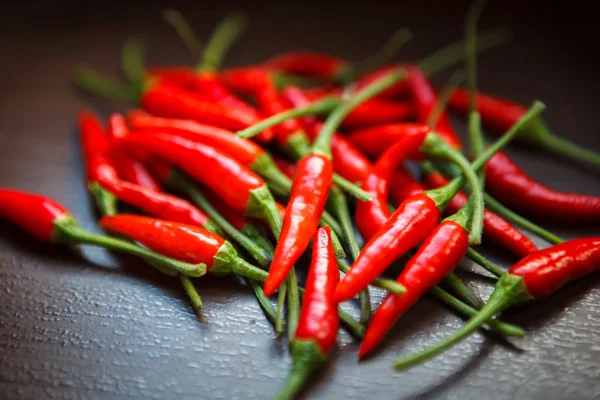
<point>85,323</point>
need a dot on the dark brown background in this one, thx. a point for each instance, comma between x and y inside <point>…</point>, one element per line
<point>87,324</point>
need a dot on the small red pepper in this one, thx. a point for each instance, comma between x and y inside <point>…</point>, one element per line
<point>511,185</point>
<point>318,323</point>
<point>499,114</point>
<point>309,63</point>
<point>245,151</point>
<point>127,167</point>
<point>533,278</point>
<point>403,186</point>
<point>183,242</point>
<point>374,141</point>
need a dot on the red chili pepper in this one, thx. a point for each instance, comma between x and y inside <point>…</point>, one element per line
<point>436,258</point>
<point>128,168</point>
<point>348,161</point>
<point>511,185</point>
<point>378,111</point>
<point>372,215</point>
<point>244,191</point>
<point>157,204</point>
<point>498,114</point>
<point>398,90</point>
<point>33,213</point>
<point>49,221</point>
<point>533,278</point>
<point>426,99</point>
<point>182,242</point>
<point>318,323</point>
<point>307,202</point>
<point>374,141</point>
<point>183,77</point>
<point>308,63</point>
<point>494,226</point>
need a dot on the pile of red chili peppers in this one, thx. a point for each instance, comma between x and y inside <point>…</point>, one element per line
<point>242,171</point>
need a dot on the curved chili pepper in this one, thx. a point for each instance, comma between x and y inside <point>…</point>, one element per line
<point>375,140</point>
<point>318,323</point>
<point>94,144</point>
<point>183,242</point>
<point>497,114</point>
<point>245,191</point>
<point>378,111</point>
<point>127,168</point>
<point>309,63</point>
<point>245,151</point>
<point>372,215</point>
<point>425,99</point>
<point>49,221</point>
<point>515,188</point>
<point>494,226</point>
<point>436,258</point>
<point>533,278</point>
<point>309,194</point>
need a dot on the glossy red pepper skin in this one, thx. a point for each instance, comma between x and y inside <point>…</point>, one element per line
<point>372,215</point>
<point>408,226</point>
<point>348,161</point>
<point>308,63</point>
<point>242,150</point>
<point>404,186</point>
<point>319,319</point>
<point>307,202</point>
<point>183,77</point>
<point>288,168</point>
<point>511,185</point>
<point>127,167</point>
<point>377,111</point>
<point>179,241</point>
<point>425,99</point>
<point>203,163</point>
<point>494,227</point>
<point>375,140</point>
<point>94,145</point>
<point>436,258</point>
<point>247,80</point>
<point>33,213</point>
<point>548,270</point>
<point>174,102</point>
<point>157,204</point>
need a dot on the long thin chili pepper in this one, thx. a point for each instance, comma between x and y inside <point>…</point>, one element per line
<point>409,225</point>
<point>375,140</point>
<point>310,189</point>
<point>318,324</point>
<point>245,151</point>
<point>94,145</point>
<point>128,168</point>
<point>497,113</point>
<point>49,221</point>
<point>183,242</point>
<point>533,278</point>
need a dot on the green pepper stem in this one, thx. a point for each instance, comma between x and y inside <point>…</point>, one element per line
<point>293,303</point>
<point>132,60</point>
<point>351,188</point>
<point>322,143</point>
<point>192,293</point>
<point>95,83</point>
<point>261,204</point>
<point>266,167</point>
<point>462,291</point>
<point>517,219</point>
<point>455,52</point>
<point>184,31</point>
<point>509,290</point>
<point>223,37</point>
<point>356,329</point>
<point>319,107</point>
<point>471,50</point>
<point>385,284</point>
<point>306,357</point>
<point>105,200</point>
<point>182,183</point>
<point>71,233</point>
<point>485,263</point>
<point>263,300</point>
<point>545,139</point>
<point>340,206</point>
<point>241,267</point>
<point>498,326</point>
<point>280,320</point>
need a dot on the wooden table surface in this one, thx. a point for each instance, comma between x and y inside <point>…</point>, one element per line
<point>88,324</point>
